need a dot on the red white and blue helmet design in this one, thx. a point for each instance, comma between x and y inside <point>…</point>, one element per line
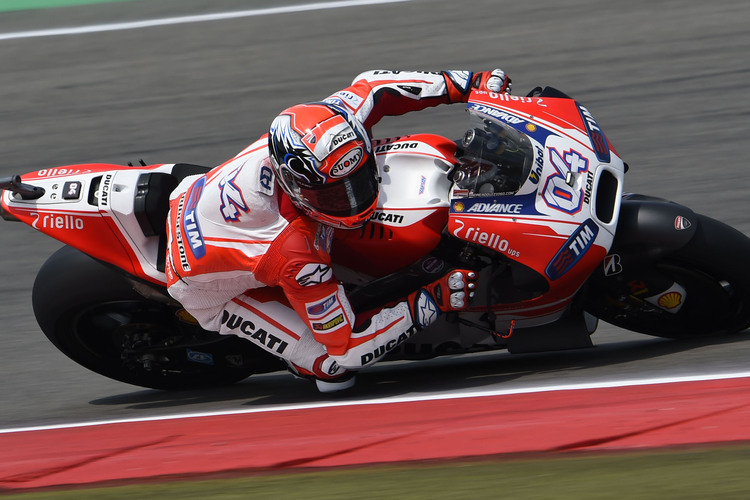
<point>324,162</point>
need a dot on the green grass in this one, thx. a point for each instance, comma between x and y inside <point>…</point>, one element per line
<point>722,473</point>
<point>11,5</point>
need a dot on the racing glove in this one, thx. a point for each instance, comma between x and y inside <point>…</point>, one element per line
<point>494,81</point>
<point>452,292</point>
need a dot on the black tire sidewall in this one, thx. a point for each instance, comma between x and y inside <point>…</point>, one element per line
<point>71,282</point>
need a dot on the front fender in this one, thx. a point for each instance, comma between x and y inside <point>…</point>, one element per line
<point>650,227</point>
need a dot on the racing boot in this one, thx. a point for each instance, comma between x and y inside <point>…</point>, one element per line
<point>336,384</point>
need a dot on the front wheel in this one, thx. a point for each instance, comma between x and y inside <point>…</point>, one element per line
<point>93,315</point>
<point>711,296</point>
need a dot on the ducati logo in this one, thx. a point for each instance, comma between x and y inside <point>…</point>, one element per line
<point>681,223</point>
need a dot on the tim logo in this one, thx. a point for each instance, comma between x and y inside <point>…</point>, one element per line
<point>598,140</point>
<point>318,309</point>
<point>190,221</point>
<point>572,250</point>
<point>232,202</point>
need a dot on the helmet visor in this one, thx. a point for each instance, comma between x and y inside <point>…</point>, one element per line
<point>350,196</point>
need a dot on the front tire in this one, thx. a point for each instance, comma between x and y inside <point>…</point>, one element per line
<point>712,268</point>
<point>94,316</point>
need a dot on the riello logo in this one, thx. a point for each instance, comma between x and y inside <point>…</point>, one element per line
<point>58,221</point>
<point>490,240</point>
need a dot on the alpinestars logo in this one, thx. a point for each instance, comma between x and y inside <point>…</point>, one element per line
<point>314,274</point>
<point>460,79</point>
<point>232,202</point>
<point>425,309</point>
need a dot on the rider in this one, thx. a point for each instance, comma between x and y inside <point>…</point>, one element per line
<point>249,259</point>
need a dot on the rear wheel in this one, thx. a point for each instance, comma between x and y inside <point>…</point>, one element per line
<point>713,271</point>
<point>93,315</point>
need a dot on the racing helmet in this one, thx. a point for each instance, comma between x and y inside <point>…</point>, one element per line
<point>324,162</point>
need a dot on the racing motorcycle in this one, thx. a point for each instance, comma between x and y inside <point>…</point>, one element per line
<point>531,197</point>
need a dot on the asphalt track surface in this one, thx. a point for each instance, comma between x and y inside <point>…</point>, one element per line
<point>666,81</point>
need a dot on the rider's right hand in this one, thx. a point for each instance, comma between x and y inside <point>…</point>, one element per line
<point>494,81</point>
<point>452,292</point>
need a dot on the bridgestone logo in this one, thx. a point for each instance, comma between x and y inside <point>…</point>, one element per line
<point>178,236</point>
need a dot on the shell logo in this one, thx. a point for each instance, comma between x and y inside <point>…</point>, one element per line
<point>670,300</point>
<point>458,206</point>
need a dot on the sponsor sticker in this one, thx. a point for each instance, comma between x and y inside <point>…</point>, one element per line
<point>189,222</point>
<point>383,216</point>
<point>670,300</point>
<point>433,265</point>
<point>53,220</point>
<point>348,99</point>
<point>460,79</point>
<point>573,250</point>
<point>347,163</point>
<point>314,274</point>
<point>204,358</point>
<point>612,265</point>
<point>331,324</point>
<point>321,307</point>
<point>257,334</point>
<point>266,180</point>
<point>596,136</point>
<point>681,223</point>
<point>425,309</point>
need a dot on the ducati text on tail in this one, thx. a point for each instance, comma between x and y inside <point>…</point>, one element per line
<point>532,195</point>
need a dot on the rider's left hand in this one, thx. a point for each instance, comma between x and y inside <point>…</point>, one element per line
<point>494,81</point>
<point>453,292</point>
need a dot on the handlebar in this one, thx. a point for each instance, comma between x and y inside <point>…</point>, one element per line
<point>27,191</point>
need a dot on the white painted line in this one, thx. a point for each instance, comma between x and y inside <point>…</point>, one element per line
<point>393,400</point>
<point>202,18</point>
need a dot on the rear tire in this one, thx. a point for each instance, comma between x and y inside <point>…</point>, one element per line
<point>94,316</point>
<point>713,268</point>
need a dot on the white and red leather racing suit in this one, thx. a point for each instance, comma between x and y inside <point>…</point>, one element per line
<point>243,261</point>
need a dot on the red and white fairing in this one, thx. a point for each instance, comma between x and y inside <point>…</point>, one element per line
<point>91,207</point>
<point>412,207</point>
<point>560,224</point>
<point>562,221</point>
